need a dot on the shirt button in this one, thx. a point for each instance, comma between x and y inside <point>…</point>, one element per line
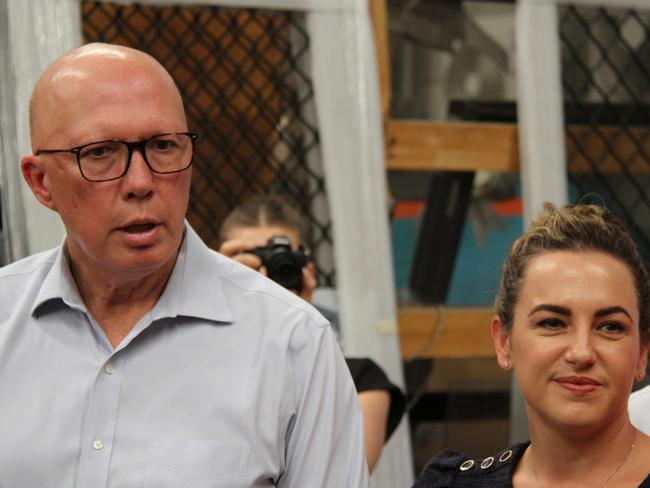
<point>108,368</point>
<point>98,444</point>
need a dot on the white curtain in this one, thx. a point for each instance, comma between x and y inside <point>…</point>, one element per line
<point>34,33</point>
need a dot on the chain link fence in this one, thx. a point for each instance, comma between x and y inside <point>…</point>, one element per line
<point>244,78</point>
<point>606,80</point>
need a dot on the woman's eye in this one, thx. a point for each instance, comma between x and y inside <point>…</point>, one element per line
<point>612,327</point>
<point>550,324</point>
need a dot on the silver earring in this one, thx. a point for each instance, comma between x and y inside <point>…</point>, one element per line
<point>506,364</point>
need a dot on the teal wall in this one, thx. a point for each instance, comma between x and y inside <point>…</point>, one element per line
<point>477,269</point>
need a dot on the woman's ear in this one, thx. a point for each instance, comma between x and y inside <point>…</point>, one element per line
<point>501,339</point>
<point>35,175</point>
<point>642,364</point>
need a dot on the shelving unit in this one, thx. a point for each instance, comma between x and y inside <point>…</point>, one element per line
<point>420,145</point>
<point>440,332</point>
<point>444,332</point>
<point>455,146</point>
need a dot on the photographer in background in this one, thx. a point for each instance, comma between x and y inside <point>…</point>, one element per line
<point>267,234</point>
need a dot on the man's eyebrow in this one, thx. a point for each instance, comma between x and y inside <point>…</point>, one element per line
<point>551,308</point>
<point>611,310</point>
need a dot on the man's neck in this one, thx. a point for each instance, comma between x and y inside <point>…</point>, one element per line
<point>118,301</point>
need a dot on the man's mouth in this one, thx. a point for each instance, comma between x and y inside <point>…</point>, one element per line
<point>138,228</point>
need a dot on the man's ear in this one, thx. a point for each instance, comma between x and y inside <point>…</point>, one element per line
<point>501,339</point>
<point>35,175</point>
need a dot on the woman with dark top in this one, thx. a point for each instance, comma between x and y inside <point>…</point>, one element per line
<point>573,319</point>
<point>250,226</point>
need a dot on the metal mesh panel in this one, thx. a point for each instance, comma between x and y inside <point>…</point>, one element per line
<point>242,74</point>
<point>606,80</point>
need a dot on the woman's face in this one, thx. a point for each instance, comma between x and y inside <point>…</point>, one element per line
<point>574,344</point>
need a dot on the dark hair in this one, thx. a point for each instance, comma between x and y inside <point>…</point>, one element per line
<point>573,228</point>
<point>262,210</point>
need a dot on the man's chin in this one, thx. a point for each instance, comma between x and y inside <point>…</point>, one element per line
<point>145,261</point>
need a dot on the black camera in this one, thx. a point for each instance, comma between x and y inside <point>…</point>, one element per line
<point>283,264</point>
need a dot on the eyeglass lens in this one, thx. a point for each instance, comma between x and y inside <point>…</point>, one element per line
<point>167,153</point>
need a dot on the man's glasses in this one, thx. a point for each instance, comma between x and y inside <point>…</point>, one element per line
<point>110,160</point>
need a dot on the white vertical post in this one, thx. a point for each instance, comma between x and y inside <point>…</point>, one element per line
<point>541,130</point>
<point>346,89</point>
<point>35,32</point>
<point>539,106</point>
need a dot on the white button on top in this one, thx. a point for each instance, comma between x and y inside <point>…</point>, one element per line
<point>108,368</point>
<point>98,444</point>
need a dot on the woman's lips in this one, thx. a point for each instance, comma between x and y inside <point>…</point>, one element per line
<point>578,384</point>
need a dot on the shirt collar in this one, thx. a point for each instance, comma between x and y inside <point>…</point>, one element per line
<point>194,288</point>
<point>59,285</point>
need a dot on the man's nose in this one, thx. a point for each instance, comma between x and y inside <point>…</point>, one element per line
<point>138,180</point>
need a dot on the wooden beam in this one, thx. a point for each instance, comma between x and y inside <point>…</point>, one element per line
<point>379,18</point>
<point>441,332</point>
<point>433,146</point>
<point>471,146</point>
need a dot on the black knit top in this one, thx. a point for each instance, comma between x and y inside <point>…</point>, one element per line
<point>453,469</point>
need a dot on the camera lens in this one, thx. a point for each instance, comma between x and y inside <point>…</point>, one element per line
<point>283,265</point>
<point>284,269</point>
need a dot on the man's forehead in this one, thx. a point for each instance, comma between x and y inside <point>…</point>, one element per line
<point>102,53</point>
<point>100,63</point>
<point>97,61</point>
<point>105,50</point>
<point>87,76</point>
<point>64,80</point>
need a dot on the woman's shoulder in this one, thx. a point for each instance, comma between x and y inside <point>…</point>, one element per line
<point>450,468</point>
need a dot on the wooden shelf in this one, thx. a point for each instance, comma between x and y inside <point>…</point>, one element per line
<point>435,146</point>
<point>441,332</point>
<point>472,146</point>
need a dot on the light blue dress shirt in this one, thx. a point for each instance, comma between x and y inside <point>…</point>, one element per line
<point>229,381</point>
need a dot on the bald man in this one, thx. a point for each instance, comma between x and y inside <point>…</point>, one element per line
<point>132,355</point>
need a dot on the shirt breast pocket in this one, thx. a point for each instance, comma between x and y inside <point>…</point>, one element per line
<point>175,463</point>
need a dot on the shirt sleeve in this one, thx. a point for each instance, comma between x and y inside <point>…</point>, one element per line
<point>325,442</point>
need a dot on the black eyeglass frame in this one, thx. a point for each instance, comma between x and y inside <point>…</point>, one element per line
<point>140,145</point>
